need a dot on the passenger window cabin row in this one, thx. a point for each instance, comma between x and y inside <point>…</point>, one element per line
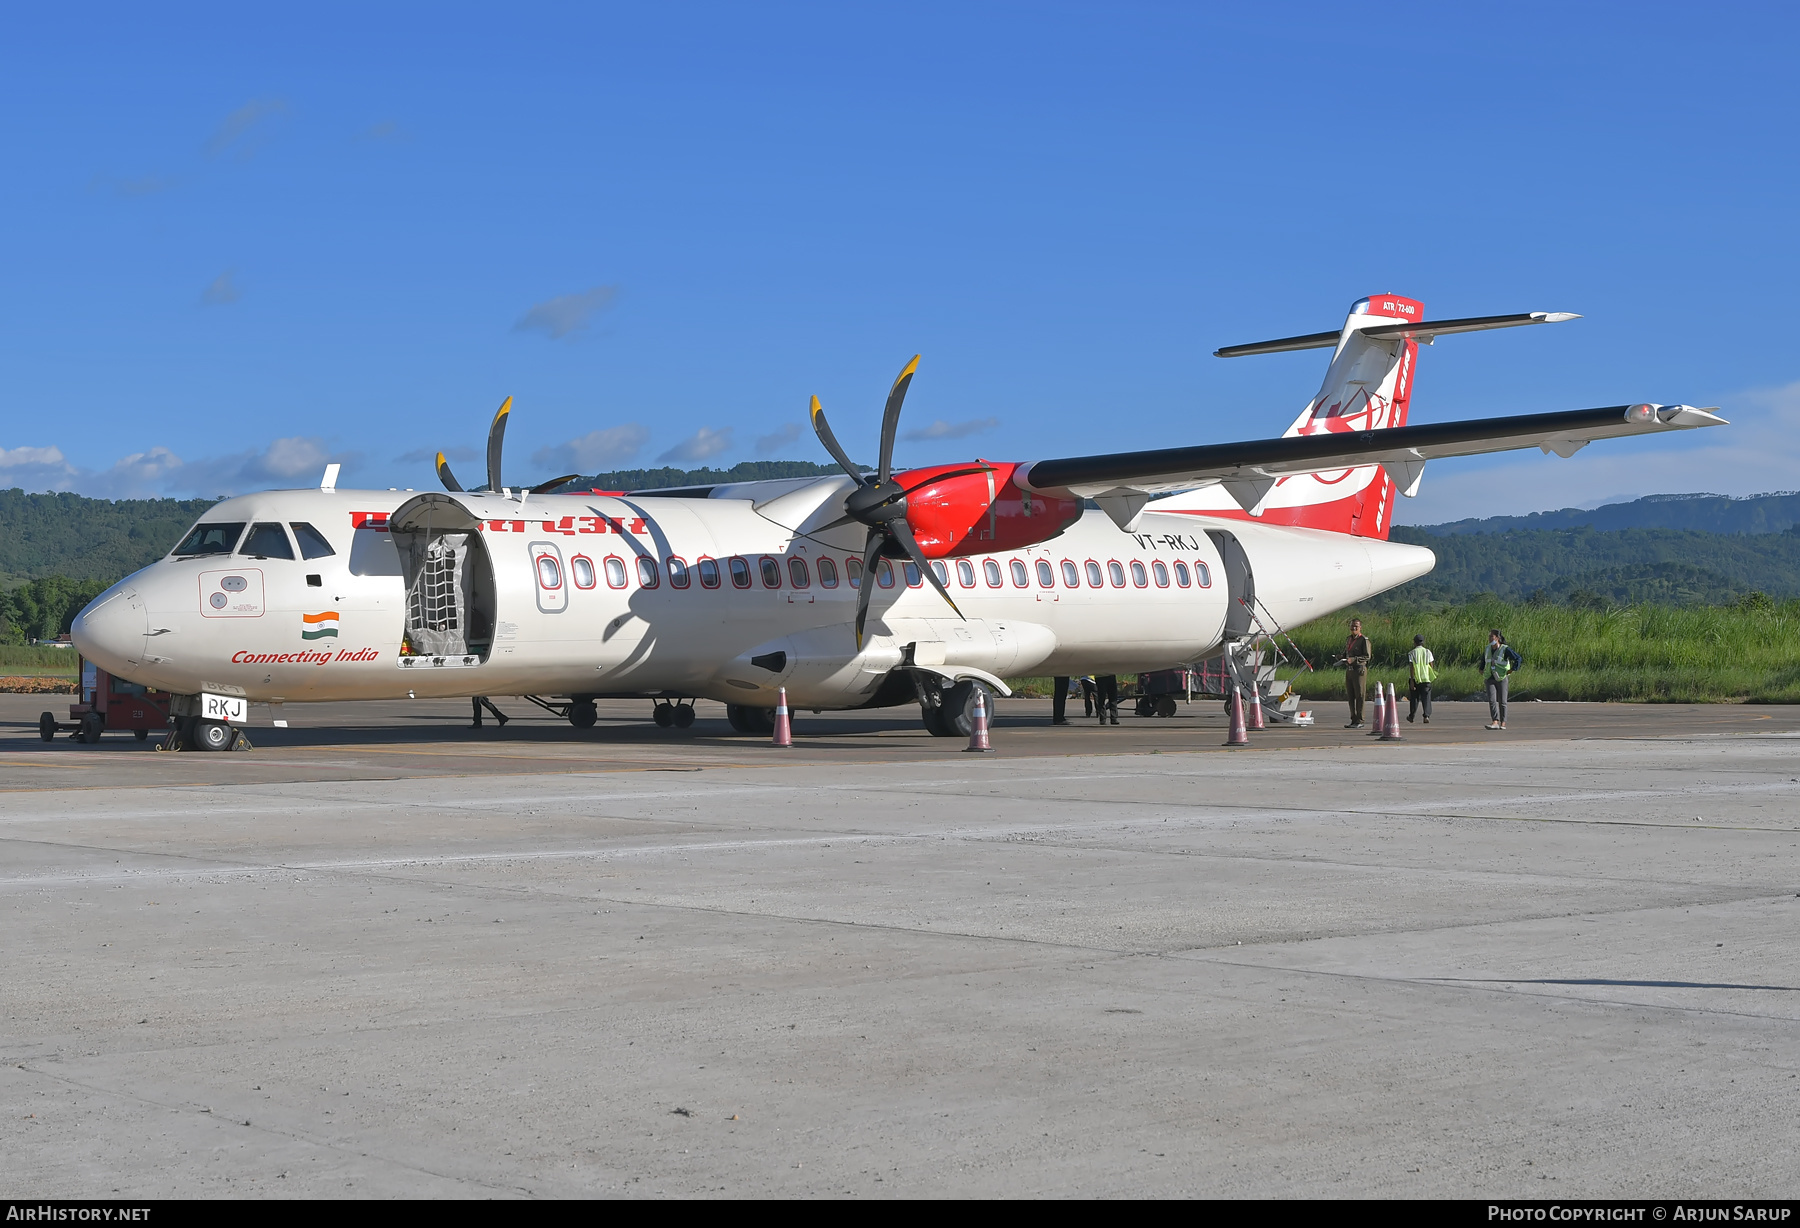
<point>712,573</point>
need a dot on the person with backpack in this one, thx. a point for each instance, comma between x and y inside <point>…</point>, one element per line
<point>1418,690</point>
<point>1497,665</point>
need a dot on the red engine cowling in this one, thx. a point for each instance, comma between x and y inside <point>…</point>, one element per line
<point>979,513</point>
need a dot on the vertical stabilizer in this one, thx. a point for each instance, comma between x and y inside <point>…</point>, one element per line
<point>1368,387</point>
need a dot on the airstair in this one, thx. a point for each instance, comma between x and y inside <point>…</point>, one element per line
<point>1252,658</point>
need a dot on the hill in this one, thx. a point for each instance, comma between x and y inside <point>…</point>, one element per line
<point>1770,513</point>
<point>49,534</point>
<point>1680,567</point>
<point>663,479</point>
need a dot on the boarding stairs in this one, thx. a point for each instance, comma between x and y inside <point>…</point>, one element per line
<point>1251,660</point>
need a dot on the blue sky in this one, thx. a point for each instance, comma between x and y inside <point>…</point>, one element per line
<point>237,245</point>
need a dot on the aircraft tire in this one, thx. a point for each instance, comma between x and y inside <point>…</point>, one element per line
<point>956,710</point>
<point>583,715</point>
<point>747,719</point>
<point>663,715</point>
<point>934,722</point>
<point>47,726</point>
<point>213,735</point>
<point>684,715</point>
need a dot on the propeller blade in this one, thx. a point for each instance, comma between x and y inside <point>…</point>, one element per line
<point>902,533</point>
<point>890,420</point>
<point>822,429</point>
<point>871,554</point>
<point>497,433</point>
<point>446,477</point>
<point>544,488</point>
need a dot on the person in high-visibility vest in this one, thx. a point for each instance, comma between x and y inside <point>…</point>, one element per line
<point>1497,664</point>
<point>1418,690</point>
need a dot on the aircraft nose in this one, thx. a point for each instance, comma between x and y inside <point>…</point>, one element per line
<point>111,630</point>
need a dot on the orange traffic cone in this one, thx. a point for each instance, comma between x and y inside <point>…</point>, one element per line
<point>1256,716</point>
<point>978,727</point>
<point>784,727</point>
<point>1392,732</point>
<point>1237,736</point>
<point>1380,712</point>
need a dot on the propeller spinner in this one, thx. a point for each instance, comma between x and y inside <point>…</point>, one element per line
<point>880,502</point>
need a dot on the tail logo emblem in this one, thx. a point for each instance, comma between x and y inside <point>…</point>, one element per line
<point>320,626</point>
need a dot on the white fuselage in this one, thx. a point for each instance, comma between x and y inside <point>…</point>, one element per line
<point>615,621</point>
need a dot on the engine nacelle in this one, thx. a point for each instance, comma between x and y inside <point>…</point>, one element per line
<point>979,513</point>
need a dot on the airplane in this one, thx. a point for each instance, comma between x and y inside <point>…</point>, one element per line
<point>856,590</point>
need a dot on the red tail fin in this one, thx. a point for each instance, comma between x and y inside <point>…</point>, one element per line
<point>1368,387</point>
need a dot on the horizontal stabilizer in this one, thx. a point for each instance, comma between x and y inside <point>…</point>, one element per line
<point>1424,330</point>
<point>1312,341</point>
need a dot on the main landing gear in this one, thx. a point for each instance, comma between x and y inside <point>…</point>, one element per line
<point>746,718</point>
<point>953,715</point>
<point>680,715</point>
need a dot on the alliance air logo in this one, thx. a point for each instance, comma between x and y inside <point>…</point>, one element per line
<point>320,626</point>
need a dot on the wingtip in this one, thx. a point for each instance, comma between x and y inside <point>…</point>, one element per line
<point>505,409</point>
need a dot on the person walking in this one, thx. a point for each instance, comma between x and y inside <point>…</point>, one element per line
<point>478,702</point>
<point>1356,672</point>
<point>1106,697</point>
<point>1059,700</point>
<point>1497,665</point>
<point>1087,695</point>
<point>1418,690</point>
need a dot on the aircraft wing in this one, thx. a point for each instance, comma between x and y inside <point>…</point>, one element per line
<point>1123,481</point>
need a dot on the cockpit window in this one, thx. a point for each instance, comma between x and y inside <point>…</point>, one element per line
<point>210,539</point>
<point>312,542</point>
<point>268,541</point>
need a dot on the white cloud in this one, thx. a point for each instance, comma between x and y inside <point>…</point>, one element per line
<point>292,462</point>
<point>594,452</point>
<point>138,476</point>
<point>951,430</point>
<point>428,456</point>
<point>384,130</point>
<point>768,445</point>
<point>1759,451</point>
<point>246,129</point>
<point>36,469</point>
<point>147,185</point>
<point>702,445</point>
<point>566,314</point>
<point>224,289</point>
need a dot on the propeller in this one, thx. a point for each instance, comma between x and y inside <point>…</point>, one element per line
<point>880,502</point>
<point>496,436</point>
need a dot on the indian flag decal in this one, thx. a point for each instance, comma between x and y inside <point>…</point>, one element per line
<point>320,626</point>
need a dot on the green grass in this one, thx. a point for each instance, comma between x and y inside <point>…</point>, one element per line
<point>26,660</point>
<point>1747,653</point>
